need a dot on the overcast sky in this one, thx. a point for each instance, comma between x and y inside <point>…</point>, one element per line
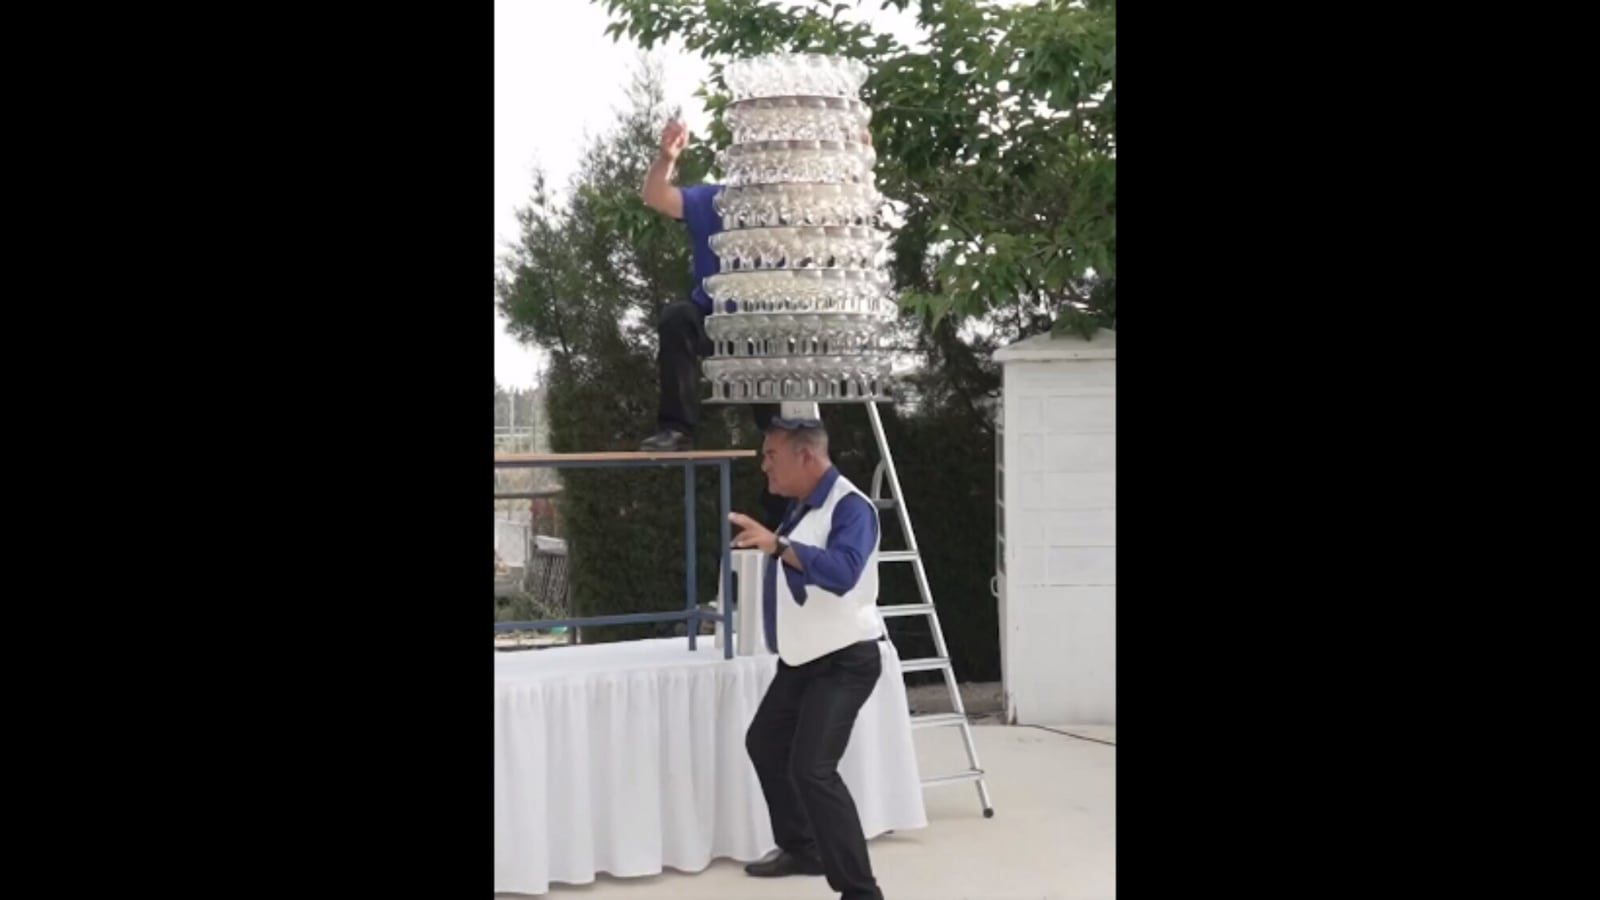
<point>557,79</point>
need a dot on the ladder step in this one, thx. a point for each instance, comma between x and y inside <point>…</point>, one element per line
<point>897,556</point>
<point>971,775</point>
<point>936,720</point>
<point>925,665</point>
<point>906,609</point>
<point>884,503</point>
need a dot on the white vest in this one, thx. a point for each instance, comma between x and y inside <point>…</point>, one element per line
<point>827,622</point>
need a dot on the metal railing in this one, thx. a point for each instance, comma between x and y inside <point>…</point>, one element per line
<point>691,615</point>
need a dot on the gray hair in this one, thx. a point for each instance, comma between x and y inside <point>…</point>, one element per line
<point>810,437</point>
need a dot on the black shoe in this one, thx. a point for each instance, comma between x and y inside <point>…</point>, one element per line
<point>667,440</point>
<point>785,863</point>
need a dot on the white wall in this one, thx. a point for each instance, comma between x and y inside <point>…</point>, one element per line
<point>1058,530</point>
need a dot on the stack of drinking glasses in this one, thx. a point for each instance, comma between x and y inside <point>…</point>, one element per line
<point>803,296</point>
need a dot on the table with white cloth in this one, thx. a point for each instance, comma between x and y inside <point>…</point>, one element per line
<point>629,759</point>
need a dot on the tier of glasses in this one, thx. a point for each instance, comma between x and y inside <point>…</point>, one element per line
<point>815,378</point>
<point>794,162</point>
<point>772,205</point>
<point>832,247</point>
<point>790,334</point>
<point>790,75</point>
<point>804,291</point>
<point>797,119</point>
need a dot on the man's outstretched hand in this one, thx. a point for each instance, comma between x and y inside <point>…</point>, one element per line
<point>674,138</point>
<point>753,534</point>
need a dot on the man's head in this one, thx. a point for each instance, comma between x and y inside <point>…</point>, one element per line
<point>794,456</point>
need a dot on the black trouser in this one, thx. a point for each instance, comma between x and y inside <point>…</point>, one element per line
<point>683,341</point>
<point>795,741</point>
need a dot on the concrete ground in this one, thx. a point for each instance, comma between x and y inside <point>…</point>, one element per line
<point>1053,836</point>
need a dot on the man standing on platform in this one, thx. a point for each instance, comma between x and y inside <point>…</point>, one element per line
<point>681,330</point>
<point>820,612</point>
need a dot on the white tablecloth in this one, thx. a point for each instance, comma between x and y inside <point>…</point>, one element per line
<point>629,758</point>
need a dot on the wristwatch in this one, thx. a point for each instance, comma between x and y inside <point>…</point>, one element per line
<point>781,545</point>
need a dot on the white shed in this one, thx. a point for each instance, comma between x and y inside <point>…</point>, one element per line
<point>1056,546</point>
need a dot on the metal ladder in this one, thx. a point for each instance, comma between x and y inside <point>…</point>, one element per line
<point>941,662</point>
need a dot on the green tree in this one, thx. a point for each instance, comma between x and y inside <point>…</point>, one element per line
<point>997,141</point>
